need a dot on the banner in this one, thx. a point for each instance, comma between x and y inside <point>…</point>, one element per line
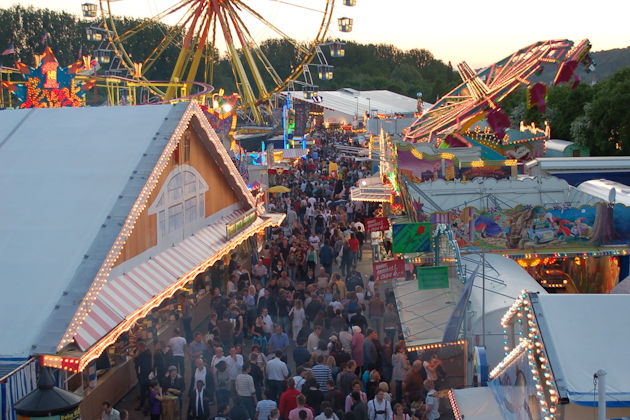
<point>388,270</point>
<point>332,170</point>
<point>234,228</point>
<point>410,238</point>
<point>301,116</point>
<point>431,277</point>
<point>376,224</point>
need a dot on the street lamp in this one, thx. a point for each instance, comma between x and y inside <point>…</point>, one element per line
<point>369,108</point>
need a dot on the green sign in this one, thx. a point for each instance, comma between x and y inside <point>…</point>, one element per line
<point>411,238</point>
<point>233,228</point>
<point>431,277</point>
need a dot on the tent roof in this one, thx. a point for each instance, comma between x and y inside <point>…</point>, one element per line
<point>477,404</point>
<point>557,145</point>
<point>505,280</point>
<point>62,172</point>
<point>353,102</point>
<point>576,164</point>
<point>623,287</point>
<point>583,333</point>
<point>424,313</point>
<point>535,191</point>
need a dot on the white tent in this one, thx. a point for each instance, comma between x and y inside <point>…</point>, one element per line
<point>583,333</point>
<point>475,404</point>
<point>623,287</point>
<point>505,280</point>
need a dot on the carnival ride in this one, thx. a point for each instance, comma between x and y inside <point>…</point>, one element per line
<point>480,94</point>
<point>199,31</point>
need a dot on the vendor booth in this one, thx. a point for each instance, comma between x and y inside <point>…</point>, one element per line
<point>118,219</point>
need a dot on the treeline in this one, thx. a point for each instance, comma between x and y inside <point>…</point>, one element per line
<point>364,67</point>
<point>596,116</point>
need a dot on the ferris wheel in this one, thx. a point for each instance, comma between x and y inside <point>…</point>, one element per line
<point>205,31</point>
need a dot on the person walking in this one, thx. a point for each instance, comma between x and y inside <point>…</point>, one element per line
<point>326,257</point>
<point>376,311</point>
<point>297,316</point>
<point>199,402</point>
<point>390,323</point>
<point>379,408</point>
<point>288,399</point>
<point>246,391</point>
<point>264,407</point>
<point>277,372</point>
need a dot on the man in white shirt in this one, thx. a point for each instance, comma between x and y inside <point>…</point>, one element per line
<point>313,340</point>
<point>178,345</point>
<point>277,372</point>
<point>235,363</point>
<point>379,408</point>
<point>300,378</point>
<point>314,241</point>
<point>264,407</point>
<point>267,321</point>
<point>218,356</point>
<point>109,412</point>
<point>244,386</point>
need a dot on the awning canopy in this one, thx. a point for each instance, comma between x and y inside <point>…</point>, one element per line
<point>294,153</point>
<point>424,313</point>
<point>474,404</point>
<point>372,189</point>
<point>153,281</point>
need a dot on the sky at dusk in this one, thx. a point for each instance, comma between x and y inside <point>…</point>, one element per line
<point>453,30</point>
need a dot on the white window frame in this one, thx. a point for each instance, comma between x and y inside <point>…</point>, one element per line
<point>173,204</point>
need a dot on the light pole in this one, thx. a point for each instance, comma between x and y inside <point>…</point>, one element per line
<point>369,108</point>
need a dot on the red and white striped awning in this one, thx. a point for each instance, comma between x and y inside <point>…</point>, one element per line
<point>125,295</point>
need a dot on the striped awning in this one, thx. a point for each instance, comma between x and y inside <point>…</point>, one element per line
<point>372,193</point>
<point>125,295</point>
<point>294,153</point>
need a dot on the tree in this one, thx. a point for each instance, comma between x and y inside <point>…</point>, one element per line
<point>609,115</point>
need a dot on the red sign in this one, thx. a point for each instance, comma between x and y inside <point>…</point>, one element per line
<point>388,270</point>
<point>376,224</point>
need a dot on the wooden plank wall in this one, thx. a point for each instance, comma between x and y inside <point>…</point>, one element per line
<point>218,196</point>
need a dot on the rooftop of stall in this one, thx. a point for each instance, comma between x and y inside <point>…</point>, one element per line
<point>60,165</point>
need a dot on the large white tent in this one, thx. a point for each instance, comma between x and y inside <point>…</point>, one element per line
<point>345,105</point>
<point>583,333</point>
<point>48,232</point>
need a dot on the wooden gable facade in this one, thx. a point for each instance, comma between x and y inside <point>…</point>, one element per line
<point>194,150</point>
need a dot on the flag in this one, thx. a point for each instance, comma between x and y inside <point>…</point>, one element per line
<point>451,332</point>
<point>565,72</point>
<point>9,50</point>
<point>498,121</point>
<point>537,96</point>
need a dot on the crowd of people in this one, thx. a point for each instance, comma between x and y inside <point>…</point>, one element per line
<point>299,333</point>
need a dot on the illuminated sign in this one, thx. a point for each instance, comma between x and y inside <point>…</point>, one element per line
<point>233,228</point>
